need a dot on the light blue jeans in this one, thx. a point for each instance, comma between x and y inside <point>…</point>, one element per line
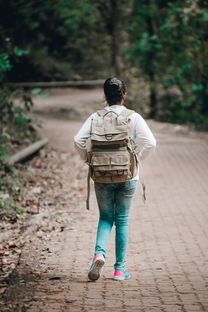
<point>114,202</point>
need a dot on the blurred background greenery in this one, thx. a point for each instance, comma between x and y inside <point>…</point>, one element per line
<point>158,47</point>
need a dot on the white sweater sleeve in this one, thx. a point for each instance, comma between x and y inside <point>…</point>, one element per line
<point>80,139</point>
<point>145,141</point>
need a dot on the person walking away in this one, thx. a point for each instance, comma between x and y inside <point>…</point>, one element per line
<point>113,160</point>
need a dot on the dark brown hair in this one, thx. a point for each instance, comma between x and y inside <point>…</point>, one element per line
<point>114,90</point>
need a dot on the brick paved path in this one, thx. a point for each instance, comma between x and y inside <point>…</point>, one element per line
<point>168,242</point>
<point>168,245</point>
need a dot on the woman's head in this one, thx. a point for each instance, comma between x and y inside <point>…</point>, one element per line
<point>115,90</point>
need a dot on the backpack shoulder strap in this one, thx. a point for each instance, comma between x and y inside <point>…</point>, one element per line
<point>127,112</point>
<point>88,190</point>
<point>104,112</point>
<point>98,120</point>
<point>124,115</point>
<point>101,112</point>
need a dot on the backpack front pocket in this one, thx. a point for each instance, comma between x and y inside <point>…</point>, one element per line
<point>110,163</point>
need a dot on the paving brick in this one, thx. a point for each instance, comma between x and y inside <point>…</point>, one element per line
<point>172,308</point>
<point>193,308</point>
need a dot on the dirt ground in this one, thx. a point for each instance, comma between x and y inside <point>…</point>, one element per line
<point>168,243</point>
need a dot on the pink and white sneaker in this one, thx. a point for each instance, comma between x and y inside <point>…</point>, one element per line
<point>121,275</point>
<point>96,267</point>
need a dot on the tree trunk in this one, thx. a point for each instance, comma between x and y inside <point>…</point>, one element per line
<point>153,100</point>
<point>115,15</point>
<point>31,149</point>
<point>116,38</point>
<point>117,62</point>
<point>151,71</point>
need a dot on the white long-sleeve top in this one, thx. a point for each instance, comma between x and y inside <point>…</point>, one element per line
<point>139,131</point>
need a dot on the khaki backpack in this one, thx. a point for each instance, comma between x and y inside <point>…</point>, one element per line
<point>112,158</point>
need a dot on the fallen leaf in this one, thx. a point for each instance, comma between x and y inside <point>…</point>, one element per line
<point>2,290</point>
<point>12,244</point>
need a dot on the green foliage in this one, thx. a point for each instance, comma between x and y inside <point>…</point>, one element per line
<point>62,37</point>
<point>21,120</point>
<point>3,152</point>
<point>4,62</point>
<point>13,103</point>
<point>9,188</point>
<point>38,91</point>
<point>20,52</point>
<point>15,118</point>
<point>10,206</point>
<point>87,39</point>
<point>7,53</point>
<point>169,45</point>
<point>15,126</point>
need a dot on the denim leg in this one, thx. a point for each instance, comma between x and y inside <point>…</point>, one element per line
<point>105,199</point>
<point>123,200</point>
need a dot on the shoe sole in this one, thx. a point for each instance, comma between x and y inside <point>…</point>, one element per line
<point>94,274</point>
<point>119,278</point>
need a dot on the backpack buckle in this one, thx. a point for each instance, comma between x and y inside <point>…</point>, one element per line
<point>120,172</point>
<point>108,137</point>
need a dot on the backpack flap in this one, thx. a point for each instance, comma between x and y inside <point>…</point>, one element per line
<point>109,127</point>
<point>108,133</point>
